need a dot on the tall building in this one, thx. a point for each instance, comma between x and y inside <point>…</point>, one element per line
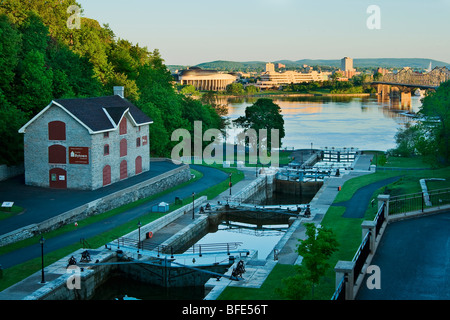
<point>270,67</point>
<point>347,64</point>
<point>86,143</point>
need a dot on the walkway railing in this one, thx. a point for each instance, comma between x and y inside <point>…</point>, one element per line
<point>419,201</point>
<point>165,249</point>
<point>349,274</point>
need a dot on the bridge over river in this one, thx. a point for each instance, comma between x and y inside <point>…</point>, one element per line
<point>400,85</point>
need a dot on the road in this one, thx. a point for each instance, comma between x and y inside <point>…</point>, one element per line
<point>414,261</point>
<point>210,178</point>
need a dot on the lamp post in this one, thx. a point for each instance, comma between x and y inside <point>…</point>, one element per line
<point>193,206</point>
<point>42,258</point>
<point>139,236</point>
<point>230,182</point>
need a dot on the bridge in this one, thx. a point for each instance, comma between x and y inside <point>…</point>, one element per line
<point>401,84</point>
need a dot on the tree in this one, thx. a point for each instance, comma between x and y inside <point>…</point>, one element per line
<point>263,114</point>
<point>10,42</point>
<point>35,89</point>
<point>436,112</point>
<point>316,250</point>
<point>235,89</point>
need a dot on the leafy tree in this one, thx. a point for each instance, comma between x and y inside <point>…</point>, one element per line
<point>263,114</point>
<point>436,111</point>
<point>316,250</point>
<point>251,90</point>
<point>235,89</point>
<point>35,89</point>
<point>11,142</point>
<point>10,48</point>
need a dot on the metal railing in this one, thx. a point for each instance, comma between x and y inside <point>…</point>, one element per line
<point>379,219</point>
<point>213,247</point>
<point>361,256</point>
<point>419,201</point>
<point>165,249</point>
<point>339,294</point>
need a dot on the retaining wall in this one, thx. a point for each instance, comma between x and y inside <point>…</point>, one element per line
<point>131,194</point>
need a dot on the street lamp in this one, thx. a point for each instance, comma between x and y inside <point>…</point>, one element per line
<point>230,182</point>
<point>139,231</point>
<point>193,206</point>
<point>42,258</point>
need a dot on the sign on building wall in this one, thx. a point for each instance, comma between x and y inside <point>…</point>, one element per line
<point>78,155</point>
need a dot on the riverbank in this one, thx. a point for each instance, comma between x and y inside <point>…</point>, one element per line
<point>293,95</point>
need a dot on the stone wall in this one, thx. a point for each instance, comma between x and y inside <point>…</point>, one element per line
<point>9,172</point>
<point>131,194</point>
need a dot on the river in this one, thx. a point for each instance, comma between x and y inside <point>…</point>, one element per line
<point>320,121</point>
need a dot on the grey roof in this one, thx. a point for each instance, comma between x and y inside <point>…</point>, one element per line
<point>91,111</point>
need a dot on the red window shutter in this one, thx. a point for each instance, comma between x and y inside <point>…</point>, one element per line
<point>56,130</point>
<point>123,147</point>
<point>123,170</point>
<point>106,175</point>
<point>123,126</point>
<point>138,165</point>
<point>56,154</point>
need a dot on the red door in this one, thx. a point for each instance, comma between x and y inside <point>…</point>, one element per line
<point>123,170</point>
<point>106,175</point>
<point>138,165</point>
<point>58,178</point>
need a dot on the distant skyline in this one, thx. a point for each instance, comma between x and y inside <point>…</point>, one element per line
<point>196,31</point>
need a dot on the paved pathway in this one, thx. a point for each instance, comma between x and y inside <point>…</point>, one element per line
<point>414,261</point>
<point>356,207</point>
<point>41,203</point>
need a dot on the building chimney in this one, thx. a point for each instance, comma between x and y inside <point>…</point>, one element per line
<point>119,91</point>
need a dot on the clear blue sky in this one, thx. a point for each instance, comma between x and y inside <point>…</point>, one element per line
<point>189,32</point>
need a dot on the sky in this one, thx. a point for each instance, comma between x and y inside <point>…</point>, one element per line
<point>189,32</point>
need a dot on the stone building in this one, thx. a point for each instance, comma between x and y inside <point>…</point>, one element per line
<point>205,79</point>
<point>86,143</point>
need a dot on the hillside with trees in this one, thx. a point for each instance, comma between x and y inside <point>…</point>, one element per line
<point>42,59</point>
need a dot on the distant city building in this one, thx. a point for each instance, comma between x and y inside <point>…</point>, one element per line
<point>347,69</point>
<point>205,79</point>
<point>280,66</point>
<point>270,67</point>
<point>86,143</point>
<point>270,79</point>
<point>347,64</point>
<point>382,71</point>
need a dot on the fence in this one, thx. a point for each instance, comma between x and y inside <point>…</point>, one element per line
<point>165,249</point>
<point>419,201</point>
<point>348,273</point>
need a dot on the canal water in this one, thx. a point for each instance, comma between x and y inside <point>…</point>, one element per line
<point>359,122</point>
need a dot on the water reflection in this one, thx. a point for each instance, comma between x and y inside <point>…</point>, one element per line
<point>366,123</point>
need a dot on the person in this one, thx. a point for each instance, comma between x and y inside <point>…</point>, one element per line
<point>307,211</point>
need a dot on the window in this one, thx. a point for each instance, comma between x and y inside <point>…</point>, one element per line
<point>123,126</point>
<point>56,130</point>
<point>56,154</point>
<point>138,165</point>
<point>144,140</point>
<point>106,149</point>
<point>105,134</point>
<point>138,142</point>
<point>123,170</point>
<point>123,147</point>
<point>106,175</point>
